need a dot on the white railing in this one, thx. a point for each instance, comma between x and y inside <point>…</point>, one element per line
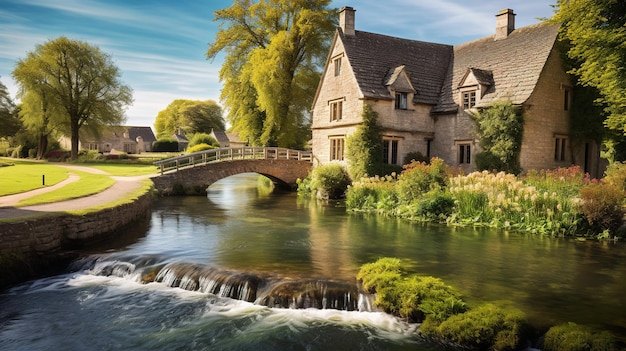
<point>229,154</point>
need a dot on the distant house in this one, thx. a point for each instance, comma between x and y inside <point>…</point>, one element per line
<point>423,94</point>
<point>181,139</point>
<point>227,139</point>
<point>131,140</point>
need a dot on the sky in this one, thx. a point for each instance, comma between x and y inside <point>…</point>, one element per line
<point>159,46</point>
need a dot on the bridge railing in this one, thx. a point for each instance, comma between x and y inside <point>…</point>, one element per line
<point>231,153</point>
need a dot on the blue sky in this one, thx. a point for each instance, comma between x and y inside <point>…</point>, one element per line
<point>160,45</point>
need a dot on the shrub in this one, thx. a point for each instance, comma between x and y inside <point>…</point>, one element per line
<point>330,181</point>
<point>419,177</point>
<point>57,155</point>
<point>574,337</point>
<point>364,147</point>
<point>203,138</point>
<point>415,156</point>
<point>373,194</point>
<point>602,206</point>
<point>485,327</point>
<point>199,147</point>
<point>436,205</point>
<point>165,145</point>
<point>616,175</point>
<point>89,155</point>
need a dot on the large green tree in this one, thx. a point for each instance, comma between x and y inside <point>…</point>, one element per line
<point>192,116</point>
<point>9,123</point>
<point>596,32</point>
<point>76,80</point>
<point>274,53</point>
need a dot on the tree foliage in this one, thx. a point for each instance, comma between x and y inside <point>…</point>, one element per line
<point>501,128</point>
<point>596,31</point>
<point>192,116</point>
<point>75,80</point>
<point>274,51</point>
<point>9,123</point>
<point>364,147</point>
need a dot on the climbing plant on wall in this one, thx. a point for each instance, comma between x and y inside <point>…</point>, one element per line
<point>500,127</point>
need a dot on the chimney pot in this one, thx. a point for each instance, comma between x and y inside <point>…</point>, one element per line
<point>346,20</point>
<point>505,23</point>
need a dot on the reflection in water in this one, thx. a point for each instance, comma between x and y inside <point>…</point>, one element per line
<point>295,245</point>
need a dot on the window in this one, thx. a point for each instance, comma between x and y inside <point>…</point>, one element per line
<point>390,151</point>
<point>465,154</point>
<point>336,148</point>
<point>560,145</point>
<point>336,110</point>
<point>567,99</point>
<point>337,63</point>
<point>92,146</point>
<point>401,101</point>
<point>469,99</point>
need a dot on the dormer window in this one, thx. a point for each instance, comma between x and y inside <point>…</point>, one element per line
<point>469,99</point>
<point>401,100</point>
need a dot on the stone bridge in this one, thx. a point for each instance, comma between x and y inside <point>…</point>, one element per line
<point>193,173</point>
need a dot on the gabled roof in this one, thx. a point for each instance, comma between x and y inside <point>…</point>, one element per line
<point>515,63</point>
<point>144,132</point>
<point>220,136</point>
<point>372,56</point>
<point>482,77</point>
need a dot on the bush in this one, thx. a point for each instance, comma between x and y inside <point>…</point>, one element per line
<point>487,327</point>
<point>616,175</point>
<point>89,155</point>
<point>57,155</point>
<point>203,138</point>
<point>415,156</point>
<point>165,145</point>
<point>419,178</point>
<point>199,147</point>
<point>373,194</point>
<point>574,337</point>
<point>329,181</point>
<point>602,206</point>
<point>436,205</point>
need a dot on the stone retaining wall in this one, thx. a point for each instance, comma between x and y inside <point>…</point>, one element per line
<point>30,246</point>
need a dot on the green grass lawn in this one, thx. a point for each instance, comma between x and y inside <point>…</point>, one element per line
<point>24,175</point>
<point>88,184</point>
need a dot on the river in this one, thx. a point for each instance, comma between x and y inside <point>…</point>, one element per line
<point>245,270</point>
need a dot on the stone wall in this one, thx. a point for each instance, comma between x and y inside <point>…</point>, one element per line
<point>196,179</point>
<point>30,247</point>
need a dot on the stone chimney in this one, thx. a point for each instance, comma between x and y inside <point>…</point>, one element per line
<point>346,20</point>
<point>505,23</point>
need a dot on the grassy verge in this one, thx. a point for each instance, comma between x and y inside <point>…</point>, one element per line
<point>88,184</point>
<point>145,187</point>
<point>24,176</point>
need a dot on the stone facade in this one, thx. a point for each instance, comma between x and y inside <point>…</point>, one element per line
<point>424,94</point>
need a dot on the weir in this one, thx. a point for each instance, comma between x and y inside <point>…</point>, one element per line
<point>267,290</point>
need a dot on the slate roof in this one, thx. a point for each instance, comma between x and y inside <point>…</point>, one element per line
<point>372,56</point>
<point>515,64</point>
<point>144,132</point>
<point>220,136</point>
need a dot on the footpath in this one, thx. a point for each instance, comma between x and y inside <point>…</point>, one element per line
<point>122,187</point>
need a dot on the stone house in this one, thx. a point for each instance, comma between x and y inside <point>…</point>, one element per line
<point>227,139</point>
<point>423,93</point>
<point>128,139</point>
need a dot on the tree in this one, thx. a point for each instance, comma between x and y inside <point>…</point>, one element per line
<point>9,123</point>
<point>192,116</point>
<point>596,32</point>
<point>364,149</point>
<point>274,53</point>
<point>501,129</point>
<point>75,80</point>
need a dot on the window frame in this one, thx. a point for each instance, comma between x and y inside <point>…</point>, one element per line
<point>337,65</point>
<point>464,152</point>
<point>390,149</point>
<point>560,148</point>
<point>337,146</point>
<point>468,99</point>
<point>336,109</point>
<point>402,100</point>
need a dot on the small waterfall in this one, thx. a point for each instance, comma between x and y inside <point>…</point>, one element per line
<point>267,290</point>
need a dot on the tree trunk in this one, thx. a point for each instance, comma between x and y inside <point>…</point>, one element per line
<point>74,131</point>
<point>43,146</point>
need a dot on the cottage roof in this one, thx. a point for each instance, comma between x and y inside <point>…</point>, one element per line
<point>373,56</point>
<point>144,132</point>
<point>220,136</point>
<point>515,64</point>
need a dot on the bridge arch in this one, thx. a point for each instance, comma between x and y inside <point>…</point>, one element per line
<point>194,173</point>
